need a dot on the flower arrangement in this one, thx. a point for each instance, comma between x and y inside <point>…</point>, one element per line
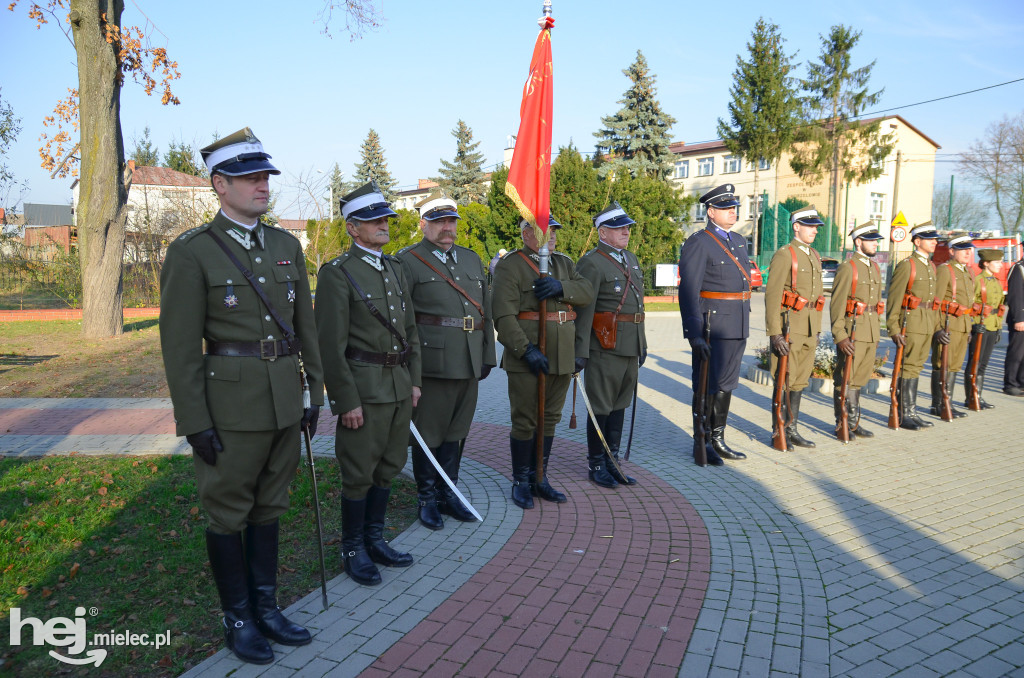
<point>824,357</point>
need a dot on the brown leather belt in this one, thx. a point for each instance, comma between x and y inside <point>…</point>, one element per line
<point>558,317</point>
<point>468,323</point>
<point>385,359</point>
<point>635,318</point>
<point>732,296</point>
<point>266,349</point>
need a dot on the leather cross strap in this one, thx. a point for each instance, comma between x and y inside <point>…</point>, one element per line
<point>792,252</point>
<point>478,307</point>
<point>626,273</point>
<point>289,334</point>
<point>746,274</point>
<point>375,313</point>
<point>524,255</point>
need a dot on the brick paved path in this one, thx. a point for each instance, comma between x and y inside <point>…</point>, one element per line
<point>896,556</point>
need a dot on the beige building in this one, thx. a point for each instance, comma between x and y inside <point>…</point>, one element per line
<point>700,167</point>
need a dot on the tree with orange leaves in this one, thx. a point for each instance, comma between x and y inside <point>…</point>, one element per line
<point>106,53</point>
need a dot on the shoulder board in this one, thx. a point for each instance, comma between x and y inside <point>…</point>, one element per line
<point>192,231</point>
<point>338,260</point>
<point>405,249</point>
<point>388,257</point>
<point>562,254</point>
<point>279,229</point>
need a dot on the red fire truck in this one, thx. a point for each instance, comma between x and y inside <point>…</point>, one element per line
<point>984,240</point>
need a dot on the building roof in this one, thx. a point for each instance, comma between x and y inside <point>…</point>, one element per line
<point>47,215</point>
<point>292,224</point>
<point>165,176</point>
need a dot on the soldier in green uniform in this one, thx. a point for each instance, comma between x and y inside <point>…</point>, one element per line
<point>988,292</point>
<point>451,296</point>
<point>610,340</point>
<point>954,289</point>
<point>516,293</point>
<point>371,353</point>
<point>240,403</point>
<point>856,295</point>
<point>914,278</point>
<point>795,288</point>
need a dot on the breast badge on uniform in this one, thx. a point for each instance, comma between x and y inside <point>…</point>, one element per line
<point>230,300</point>
<point>618,287</point>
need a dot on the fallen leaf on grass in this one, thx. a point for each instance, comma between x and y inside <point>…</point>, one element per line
<point>60,481</point>
<point>165,661</point>
<point>102,491</point>
<point>74,570</point>
<point>188,602</point>
<point>47,592</point>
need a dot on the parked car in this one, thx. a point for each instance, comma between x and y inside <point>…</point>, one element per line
<point>756,277</point>
<point>828,273</point>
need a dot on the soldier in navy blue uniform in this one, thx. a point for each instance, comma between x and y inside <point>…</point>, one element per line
<point>714,275</point>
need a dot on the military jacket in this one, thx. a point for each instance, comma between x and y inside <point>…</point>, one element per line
<point>1015,294</point>
<point>705,266</point>
<point>993,298</point>
<point>450,352</point>
<point>610,279</point>
<point>512,292</point>
<point>948,276</point>
<point>203,295</point>
<point>343,320</point>
<point>921,320</point>
<point>805,322</point>
<point>869,291</point>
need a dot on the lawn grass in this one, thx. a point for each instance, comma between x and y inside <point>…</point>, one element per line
<point>125,535</point>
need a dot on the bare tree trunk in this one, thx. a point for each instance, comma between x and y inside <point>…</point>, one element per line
<point>103,197</point>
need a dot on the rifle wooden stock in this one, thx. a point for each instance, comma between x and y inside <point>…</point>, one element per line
<point>897,374</point>
<point>973,395</point>
<point>700,427</point>
<point>843,429</point>
<point>947,405</point>
<point>781,382</point>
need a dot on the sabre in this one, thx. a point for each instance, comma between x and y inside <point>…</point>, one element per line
<point>319,523</point>
<point>440,471</point>
<point>600,434</point>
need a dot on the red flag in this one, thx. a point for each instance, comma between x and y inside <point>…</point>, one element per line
<point>529,177</point>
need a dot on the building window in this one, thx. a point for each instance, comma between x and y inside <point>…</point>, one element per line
<point>754,207</point>
<point>682,169</point>
<point>705,167</point>
<point>702,211</point>
<point>730,164</point>
<point>761,165</point>
<point>877,206</point>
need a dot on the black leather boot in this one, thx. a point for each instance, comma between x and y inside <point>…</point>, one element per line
<point>719,415</point>
<point>905,399</point>
<point>373,530</point>
<point>853,405</point>
<point>698,422</point>
<point>936,408</point>
<point>227,560</point>
<point>449,455</point>
<point>357,562</point>
<point>793,437</point>
<point>950,383</point>
<point>912,404</point>
<point>426,487</point>
<point>543,489</point>
<point>981,388</point>
<point>521,465</point>
<point>261,555</point>
<point>613,434</point>
<point>596,464</point>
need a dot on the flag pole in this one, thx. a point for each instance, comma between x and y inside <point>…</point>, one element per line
<point>542,330</point>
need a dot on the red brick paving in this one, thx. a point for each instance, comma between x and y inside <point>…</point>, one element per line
<point>608,584</point>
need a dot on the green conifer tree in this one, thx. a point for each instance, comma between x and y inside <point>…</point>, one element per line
<point>637,137</point>
<point>145,154</point>
<point>374,167</point>
<point>463,178</point>
<point>183,158</point>
<point>831,139</point>
<point>763,113</point>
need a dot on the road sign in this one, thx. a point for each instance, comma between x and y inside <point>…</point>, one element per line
<point>900,220</point>
<point>899,234</point>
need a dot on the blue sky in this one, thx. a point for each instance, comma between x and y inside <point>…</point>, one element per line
<point>311,99</point>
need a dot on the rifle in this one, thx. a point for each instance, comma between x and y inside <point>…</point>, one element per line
<point>843,429</point>
<point>781,386</point>
<point>947,405</point>
<point>897,373</point>
<point>973,395</point>
<point>700,419</point>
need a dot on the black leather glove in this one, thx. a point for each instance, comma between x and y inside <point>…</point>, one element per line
<point>310,416</point>
<point>485,371</point>
<point>205,445</point>
<point>537,361</point>
<point>999,335</point>
<point>942,336</point>
<point>779,345</point>
<point>545,288</point>
<point>899,340</point>
<point>846,346</point>
<point>581,364</point>
<point>977,328</point>
<point>698,345</point>
<point>643,359</point>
